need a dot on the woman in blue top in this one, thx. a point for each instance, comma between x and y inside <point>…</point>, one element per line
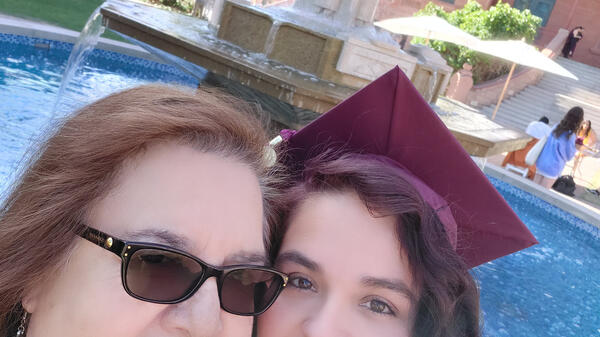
<point>559,148</point>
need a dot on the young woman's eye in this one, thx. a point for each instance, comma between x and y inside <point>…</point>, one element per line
<point>301,283</point>
<point>378,307</point>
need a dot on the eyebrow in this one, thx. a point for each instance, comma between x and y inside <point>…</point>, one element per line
<point>245,257</point>
<point>298,258</point>
<point>398,286</point>
<point>161,236</point>
<point>171,239</point>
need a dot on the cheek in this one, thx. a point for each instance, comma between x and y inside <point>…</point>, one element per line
<point>298,314</point>
<point>85,295</point>
<point>236,325</point>
<point>287,315</point>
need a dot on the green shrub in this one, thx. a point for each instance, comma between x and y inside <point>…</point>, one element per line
<point>182,6</point>
<point>500,22</point>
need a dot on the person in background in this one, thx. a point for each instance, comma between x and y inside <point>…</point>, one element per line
<point>559,148</point>
<point>537,130</point>
<point>574,36</point>
<point>586,139</point>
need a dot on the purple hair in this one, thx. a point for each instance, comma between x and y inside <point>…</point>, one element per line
<point>448,304</point>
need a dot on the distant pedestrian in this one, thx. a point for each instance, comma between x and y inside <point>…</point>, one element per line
<point>559,149</point>
<point>586,139</point>
<point>537,130</point>
<point>574,36</point>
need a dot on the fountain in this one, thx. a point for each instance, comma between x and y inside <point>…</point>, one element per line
<point>296,61</point>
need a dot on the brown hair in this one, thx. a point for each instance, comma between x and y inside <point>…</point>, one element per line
<point>448,304</point>
<point>570,122</point>
<point>79,162</point>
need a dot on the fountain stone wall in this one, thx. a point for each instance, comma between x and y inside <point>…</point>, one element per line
<point>333,40</point>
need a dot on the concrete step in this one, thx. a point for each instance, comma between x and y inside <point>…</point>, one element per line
<point>577,66</point>
<point>553,96</point>
<point>578,97</point>
<point>530,101</point>
<point>583,82</point>
<point>520,112</point>
<point>510,115</point>
<point>561,86</point>
<point>570,64</point>
<point>576,93</point>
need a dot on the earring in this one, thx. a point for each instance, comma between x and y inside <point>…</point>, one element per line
<point>23,324</point>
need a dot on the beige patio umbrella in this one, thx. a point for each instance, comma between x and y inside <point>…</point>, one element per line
<point>519,52</point>
<point>428,27</point>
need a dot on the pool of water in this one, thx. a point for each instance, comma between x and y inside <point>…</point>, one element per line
<point>30,73</point>
<point>552,289</point>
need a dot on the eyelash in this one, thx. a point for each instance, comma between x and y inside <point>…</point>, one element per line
<point>388,309</point>
<point>295,278</point>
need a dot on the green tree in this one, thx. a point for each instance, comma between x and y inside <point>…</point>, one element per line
<point>500,22</point>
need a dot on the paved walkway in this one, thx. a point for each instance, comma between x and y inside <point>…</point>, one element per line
<point>583,205</point>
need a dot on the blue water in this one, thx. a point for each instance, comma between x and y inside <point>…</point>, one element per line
<point>30,74</point>
<point>552,289</point>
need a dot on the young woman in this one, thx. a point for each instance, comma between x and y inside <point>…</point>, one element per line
<point>367,256</point>
<point>586,139</point>
<point>560,147</point>
<point>143,215</point>
<point>382,222</point>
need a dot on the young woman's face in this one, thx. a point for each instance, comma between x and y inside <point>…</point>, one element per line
<point>202,203</point>
<point>348,275</point>
<point>585,125</point>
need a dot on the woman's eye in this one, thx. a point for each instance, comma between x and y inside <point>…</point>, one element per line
<point>152,258</point>
<point>301,283</point>
<point>378,307</point>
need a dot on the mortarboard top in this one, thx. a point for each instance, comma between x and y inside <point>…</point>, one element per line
<point>390,118</point>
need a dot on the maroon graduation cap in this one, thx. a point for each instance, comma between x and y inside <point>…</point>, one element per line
<point>390,118</point>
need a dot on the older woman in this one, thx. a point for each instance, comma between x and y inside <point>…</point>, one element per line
<point>142,215</point>
<point>376,234</point>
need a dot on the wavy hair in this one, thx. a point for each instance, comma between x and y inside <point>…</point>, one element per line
<point>570,123</point>
<point>448,304</point>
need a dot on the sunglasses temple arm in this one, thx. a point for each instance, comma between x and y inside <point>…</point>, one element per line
<point>104,240</point>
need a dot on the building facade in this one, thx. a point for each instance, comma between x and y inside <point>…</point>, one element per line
<point>555,14</point>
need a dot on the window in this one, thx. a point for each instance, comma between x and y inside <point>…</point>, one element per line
<point>541,8</point>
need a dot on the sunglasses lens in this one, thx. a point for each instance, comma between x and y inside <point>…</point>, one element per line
<point>249,291</point>
<point>160,275</point>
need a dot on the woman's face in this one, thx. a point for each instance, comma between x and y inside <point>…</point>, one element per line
<point>348,275</point>
<point>585,125</point>
<point>205,204</point>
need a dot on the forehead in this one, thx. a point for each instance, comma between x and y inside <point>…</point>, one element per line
<point>337,231</point>
<point>213,202</point>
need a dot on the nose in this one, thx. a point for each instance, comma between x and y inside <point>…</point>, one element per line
<point>199,315</point>
<point>330,320</point>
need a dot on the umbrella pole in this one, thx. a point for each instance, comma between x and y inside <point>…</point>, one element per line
<point>512,70</point>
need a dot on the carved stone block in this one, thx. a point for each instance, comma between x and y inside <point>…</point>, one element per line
<point>298,47</point>
<point>245,28</point>
<point>368,61</point>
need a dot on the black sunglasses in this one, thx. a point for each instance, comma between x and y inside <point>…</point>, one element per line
<point>161,274</point>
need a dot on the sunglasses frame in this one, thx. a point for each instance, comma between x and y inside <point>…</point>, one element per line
<point>125,249</point>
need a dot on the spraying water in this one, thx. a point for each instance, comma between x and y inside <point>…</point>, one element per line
<point>432,84</point>
<point>88,39</point>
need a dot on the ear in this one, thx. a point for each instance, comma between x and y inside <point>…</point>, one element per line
<point>31,299</point>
